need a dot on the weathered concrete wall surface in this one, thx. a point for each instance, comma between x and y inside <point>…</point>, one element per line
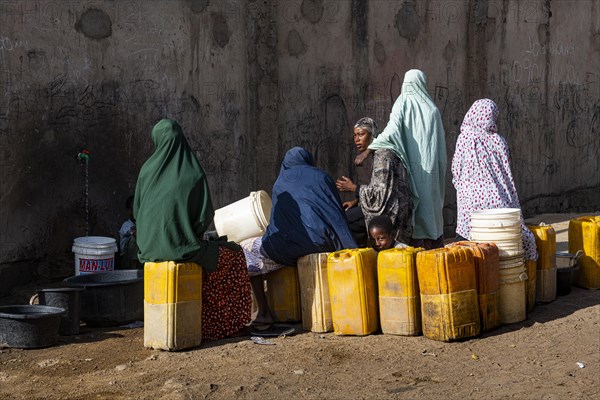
<point>249,79</point>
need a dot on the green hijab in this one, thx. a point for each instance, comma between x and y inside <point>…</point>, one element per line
<point>172,205</point>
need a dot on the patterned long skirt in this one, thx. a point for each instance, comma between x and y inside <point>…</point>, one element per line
<point>226,300</point>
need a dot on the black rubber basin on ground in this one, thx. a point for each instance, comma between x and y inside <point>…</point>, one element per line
<point>29,327</point>
<point>110,298</point>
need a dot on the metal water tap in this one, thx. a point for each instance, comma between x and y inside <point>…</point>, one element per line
<point>84,155</point>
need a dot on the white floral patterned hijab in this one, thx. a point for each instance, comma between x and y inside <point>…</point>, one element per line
<point>481,170</point>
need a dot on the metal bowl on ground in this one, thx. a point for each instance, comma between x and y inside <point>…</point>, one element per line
<point>110,298</point>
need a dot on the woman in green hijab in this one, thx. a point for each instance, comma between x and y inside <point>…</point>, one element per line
<point>173,209</point>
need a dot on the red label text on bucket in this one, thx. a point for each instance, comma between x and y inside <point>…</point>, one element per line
<point>106,264</point>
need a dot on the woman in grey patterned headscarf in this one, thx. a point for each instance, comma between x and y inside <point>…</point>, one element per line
<point>387,193</point>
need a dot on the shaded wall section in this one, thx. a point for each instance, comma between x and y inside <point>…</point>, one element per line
<point>249,79</point>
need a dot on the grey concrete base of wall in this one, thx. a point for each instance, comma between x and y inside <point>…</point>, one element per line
<point>21,273</point>
<point>16,274</point>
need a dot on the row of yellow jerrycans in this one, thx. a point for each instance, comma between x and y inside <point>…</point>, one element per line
<point>447,294</point>
<point>445,291</point>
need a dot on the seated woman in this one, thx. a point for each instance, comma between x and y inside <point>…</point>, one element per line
<point>387,193</point>
<point>173,208</point>
<point>481,171</point>
<point>381,234</point>
<point>306,217</point>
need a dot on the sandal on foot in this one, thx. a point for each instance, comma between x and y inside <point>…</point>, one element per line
<point>274,331</point>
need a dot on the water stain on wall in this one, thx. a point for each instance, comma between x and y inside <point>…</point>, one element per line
<point>295,44</point>
<point>95,24</point>
<point>312,10</point>
<point>407,21</point>
<point>449,52</point>
<point>220,30</point>
<point>379,51</point>
<point>198,6</point>
<point>37,60</point>
<point>596,41</point>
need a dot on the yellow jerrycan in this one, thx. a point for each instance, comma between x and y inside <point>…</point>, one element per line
<point>399,298</point>
<point>314,293</point>
<point>172,305</point>
<point>584,234</point>
<point>352,280</point>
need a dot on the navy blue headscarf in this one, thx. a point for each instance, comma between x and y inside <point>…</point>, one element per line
<point>307,215</point>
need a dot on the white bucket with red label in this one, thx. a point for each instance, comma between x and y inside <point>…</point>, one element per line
<point>94,254</point>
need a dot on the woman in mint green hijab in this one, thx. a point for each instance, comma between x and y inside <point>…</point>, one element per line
<point>416,135</point>
<point>173,208</point>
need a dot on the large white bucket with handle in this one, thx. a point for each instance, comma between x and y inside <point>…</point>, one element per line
<point>94,254</point>
<point>244,219</point>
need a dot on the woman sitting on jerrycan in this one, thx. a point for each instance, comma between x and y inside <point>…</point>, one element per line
<point>173,208</point>
<point>306,218</point>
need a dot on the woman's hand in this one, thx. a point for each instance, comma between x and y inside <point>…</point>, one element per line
<point>345,185</point>
<point>362,157</point>
<point>349,204</point>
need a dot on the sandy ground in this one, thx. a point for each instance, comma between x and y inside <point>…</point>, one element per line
<point>535,359</point>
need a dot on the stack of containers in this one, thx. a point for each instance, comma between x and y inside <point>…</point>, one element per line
<point>545,241</point>
<point>584,234</point>
<point>352,280</point>
<point>314,293</point>
<point>399,299</point>
<point>487,272</point>
<point>502,226</point>
<point>448,288</point>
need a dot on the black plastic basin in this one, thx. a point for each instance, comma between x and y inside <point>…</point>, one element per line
<point>110,298</point>
<point>29,327</point>
<point>67,298</point>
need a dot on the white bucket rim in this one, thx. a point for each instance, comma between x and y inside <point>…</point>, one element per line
<point>495,223</point>
<point>503,253</point>
<point>502,239</point>
<point>522,277</point>
<point>94,241</point>
<point>261,199</point>
<point>497,211</point>
<point>513,230</point>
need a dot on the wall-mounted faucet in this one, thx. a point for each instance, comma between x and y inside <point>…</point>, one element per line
<point>84,155</point>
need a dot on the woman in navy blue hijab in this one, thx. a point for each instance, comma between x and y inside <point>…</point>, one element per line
<point>307,215</point>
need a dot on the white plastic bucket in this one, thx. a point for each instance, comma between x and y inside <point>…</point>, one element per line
<point>498,214</point>
<point>492,236</point>
<point>512,262</point>
<point>245,218</point>
<point>94,254</point>
<point>512,297</point>
<point>500,223</point>
<point>514,229</point>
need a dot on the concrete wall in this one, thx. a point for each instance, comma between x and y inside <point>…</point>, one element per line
<point>249,79</point>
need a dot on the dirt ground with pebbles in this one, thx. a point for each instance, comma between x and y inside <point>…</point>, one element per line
<point>535,359</point>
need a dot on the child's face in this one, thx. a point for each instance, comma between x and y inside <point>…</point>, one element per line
<point>381,239</point>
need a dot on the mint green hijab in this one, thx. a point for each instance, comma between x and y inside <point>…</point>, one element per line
<point>416,135</point>
<point>172,204</point>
